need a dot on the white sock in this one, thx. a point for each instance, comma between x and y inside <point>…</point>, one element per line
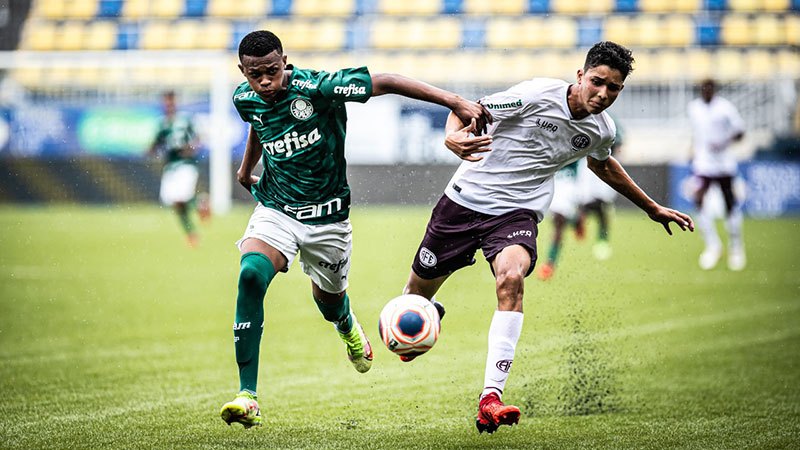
<point>503,336</point>
<point>705,221</point>
<point>733,223</point>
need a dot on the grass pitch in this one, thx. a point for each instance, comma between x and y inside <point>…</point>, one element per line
<point>113,333</point>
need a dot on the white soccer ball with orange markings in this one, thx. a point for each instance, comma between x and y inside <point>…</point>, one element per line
<point>409,325</point>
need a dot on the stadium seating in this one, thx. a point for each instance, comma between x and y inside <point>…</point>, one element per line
<point>733,33</point>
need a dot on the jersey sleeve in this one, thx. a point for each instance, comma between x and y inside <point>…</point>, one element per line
<point>603,151</point>
<point>346,85</point>
<point>734,119</point>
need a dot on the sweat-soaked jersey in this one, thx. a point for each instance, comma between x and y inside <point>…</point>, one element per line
<point>302,136</point>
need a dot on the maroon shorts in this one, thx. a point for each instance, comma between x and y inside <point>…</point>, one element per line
<point>455,233</point>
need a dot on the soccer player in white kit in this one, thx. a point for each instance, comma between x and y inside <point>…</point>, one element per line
<point>715,125</point>
<point>502,190</point>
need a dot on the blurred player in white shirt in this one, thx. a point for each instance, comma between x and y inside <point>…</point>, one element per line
<point>716,124</point>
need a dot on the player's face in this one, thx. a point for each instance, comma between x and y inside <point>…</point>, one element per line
<point>264,74</point>
<point>599,87</point>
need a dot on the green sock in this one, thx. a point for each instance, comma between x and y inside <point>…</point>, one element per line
<point>186,220</point>
<point>552,255</point>
<point>254,276</point>
<point>339,314</point>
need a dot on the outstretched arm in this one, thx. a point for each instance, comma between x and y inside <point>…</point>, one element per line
<point>252,153</point>
<point>613,174</point>
<point>389,83</point>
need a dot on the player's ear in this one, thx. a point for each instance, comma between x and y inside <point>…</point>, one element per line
<point>241,68</point>
<point>284,59</point>
<point>579,75</point>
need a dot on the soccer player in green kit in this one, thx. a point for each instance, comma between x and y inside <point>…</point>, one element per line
<point>297,123</point>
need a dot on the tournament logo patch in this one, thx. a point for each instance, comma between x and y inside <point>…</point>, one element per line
<point>426,257</point>
<point>301,108</point>
<point>504,365</point>
<point>580,141</point>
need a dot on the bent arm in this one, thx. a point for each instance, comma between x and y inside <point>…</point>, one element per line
<point>613,174</point>
<point>252,153</point>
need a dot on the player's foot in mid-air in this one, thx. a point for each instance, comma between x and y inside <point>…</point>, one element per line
<point>492,413</point>
<point>243,409</point>
<point>359,350</point>
<point>546,272</point>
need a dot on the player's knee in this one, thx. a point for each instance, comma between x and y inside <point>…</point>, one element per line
<point>251,277</point>
<point>510,283</point>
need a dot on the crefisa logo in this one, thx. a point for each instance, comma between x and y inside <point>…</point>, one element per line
<point>301,108</point>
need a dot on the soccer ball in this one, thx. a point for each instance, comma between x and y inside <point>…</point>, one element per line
<point>409,325</point>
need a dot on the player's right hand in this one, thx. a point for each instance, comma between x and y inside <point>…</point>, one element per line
<point>464,143</point>
<point>247,180</point>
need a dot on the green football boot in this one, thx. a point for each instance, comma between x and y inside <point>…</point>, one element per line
<point>359,350</point>
<point>243,409</point>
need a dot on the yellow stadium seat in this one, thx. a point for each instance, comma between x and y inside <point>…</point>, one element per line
<point>156,35</point>
<point>698,64</point>
<point>323,8</point>
<point>227,8</point>
<point>736,29</point>
<point>437,33</point>
<point>560,31</point>
<point>679,30</point>
<point>39,35</point>
<point>792,23</point>
<point>503,32</point>
<point>669,64</point>
<point>70,36</point>
<point>669,6</point>
<point>649,31</point>
<point>185,34</point>
<point>330,34</point>
<point>80,9</point>
<point>759,63</point>
<point>729,64</point>
<point>282,29</point>
<point>28,76</point>
<point>409,7</point>
<point>787,63</point>
<point>166,8</point>
<point>215,34</point>
<point>759,5</point>
<point>100,35</point>
<point>489,7</point>
<point>444,32</point>
<point>49,9</point>
<point>136,9</point>
<point>619,29</point>
<point>769,29</point>
<point>582,7</point>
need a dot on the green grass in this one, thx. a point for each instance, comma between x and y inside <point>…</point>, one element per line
<point>113,333</point>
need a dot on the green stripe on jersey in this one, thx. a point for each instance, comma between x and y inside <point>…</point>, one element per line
<point>302,136</point>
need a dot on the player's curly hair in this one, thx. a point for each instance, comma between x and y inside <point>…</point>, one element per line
<point>610,54</point>
<point>260,43</point>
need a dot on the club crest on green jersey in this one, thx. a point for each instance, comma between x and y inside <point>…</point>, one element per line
<point>301,108</point>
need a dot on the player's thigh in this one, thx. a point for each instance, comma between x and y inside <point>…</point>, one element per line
<point>450,241</point>
<point>325,252</point>
<point>516,228</point>
<point>272,233</point>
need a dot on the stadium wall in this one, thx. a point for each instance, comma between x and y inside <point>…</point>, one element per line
<point>96,180</point>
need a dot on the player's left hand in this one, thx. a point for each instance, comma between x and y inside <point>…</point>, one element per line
<point>666,215</point>
<point>468,111</point>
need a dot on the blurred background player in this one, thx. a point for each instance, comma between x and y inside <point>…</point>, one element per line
<point>597,199</point>
<point>564,211</point>
<point>716,124</point>
<point>176,143</point>
<point>297,123</point>
<point>494,202</point>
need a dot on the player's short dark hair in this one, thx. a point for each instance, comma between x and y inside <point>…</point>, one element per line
<point>611,54</point>
<point>260,43</point>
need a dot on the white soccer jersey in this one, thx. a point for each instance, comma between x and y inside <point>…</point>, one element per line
<point>534,136</point>
<point>714,124</point>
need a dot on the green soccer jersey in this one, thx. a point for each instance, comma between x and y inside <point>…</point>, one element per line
<point>174,135</point>
<point>302,137</point>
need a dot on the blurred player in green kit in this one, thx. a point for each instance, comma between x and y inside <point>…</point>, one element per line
<point>297,123</point>
<point>176,141</point>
